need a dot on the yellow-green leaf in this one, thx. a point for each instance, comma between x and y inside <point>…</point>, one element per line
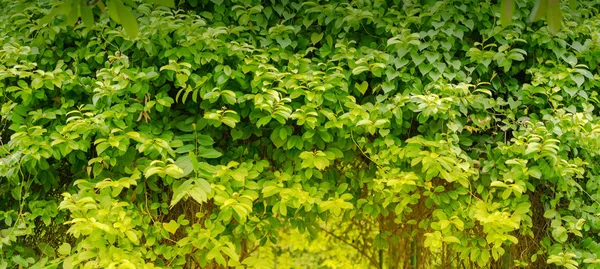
<point>573,4</point>
<point>554,16</point>
<point>316,37</point>
<point>128,20</point>
<point>73,14</point>
<point>507,8</point>
<point>131,235</point>
<point>171,227</point>
<point>362,87</point>
<point>123,15</point>
<point>113,10</point>
<point>451,239</point>
<point>87,16</point>
<point>64,249</point>
<point>68,263</point>
<point>539,10</point>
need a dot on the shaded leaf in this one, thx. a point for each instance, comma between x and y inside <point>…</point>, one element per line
<point>167,3</point>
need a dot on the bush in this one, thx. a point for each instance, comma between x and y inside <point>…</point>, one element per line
<point>419,133</point>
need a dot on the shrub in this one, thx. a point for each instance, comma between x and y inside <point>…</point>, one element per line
<point>421,133</point>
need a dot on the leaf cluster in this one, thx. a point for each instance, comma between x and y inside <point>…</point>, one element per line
<point>383,125</point>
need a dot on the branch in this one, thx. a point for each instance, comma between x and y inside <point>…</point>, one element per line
<point>362,252</point>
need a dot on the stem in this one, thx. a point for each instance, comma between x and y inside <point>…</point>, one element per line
<point>371,259</point>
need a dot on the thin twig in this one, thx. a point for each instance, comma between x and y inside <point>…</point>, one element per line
<point>371,259</point>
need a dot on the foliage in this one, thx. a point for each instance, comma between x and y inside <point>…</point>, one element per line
<point>549,9</point>
<point>428,133</point>
<point>119,10</point>
<point>121,13</point>
<point>326,250</point>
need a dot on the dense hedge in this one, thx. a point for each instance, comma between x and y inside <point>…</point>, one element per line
<point>417,133</point>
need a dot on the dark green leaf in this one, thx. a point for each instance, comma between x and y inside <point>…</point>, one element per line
<point>166,3</point>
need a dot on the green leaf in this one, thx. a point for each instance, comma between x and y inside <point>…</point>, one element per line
<point>152,171</point>
<point>283,41</point>
<point>209,153</point>
<point>538,11</point>
<point>263,121</point>
<point>236,134</point>
<point>239,174</point>
<point>200,191</point>
<point>73,14</point>
<point>46,248</point>
<point>166,3</point>
<point>276,139</point>
<point>507,9</point>
<point>197,188</point>
<point>359,69</point>
<point>532,147</point>
<point>535,172</point>
<point>20,261</point>
<point>578,79</point>
<point>388,87</point>
<point>573,4</point>
<point>554,17</point>
<point>484,257</point>
<point>64,249</point>
<point>181,191</point>
<point>68,263</point>
<point>87,16</point>
<point>133,237</point>
<point>320,163</point>
<point>123,15</point>
<point>550,213</point>
<point>451,239</point>
<point>362,87</point>
<point>174,171</point>
<point>65,7</point>
<point>185,163</point>
<point>215,254</point>
<point>113,10</point>
<point>316,37</point>
<point>230,251</point>
<point>560,234</point>
<point>270,191</point>
<point>498,184</point>
<point>416,57</point>
<point>171,227</point>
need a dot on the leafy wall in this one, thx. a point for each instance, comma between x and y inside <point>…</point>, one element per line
<point>421,134</point>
